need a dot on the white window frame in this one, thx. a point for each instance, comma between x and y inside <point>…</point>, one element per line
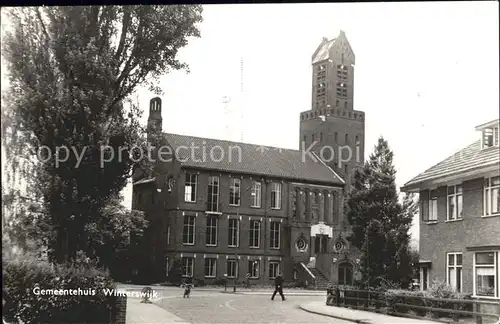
<point>211,195</point>
<point>456,196</point>
<point>185,272</point>
<point>256,230</point>
<point>209,233</point>
<point>232,228</point>
<point>193,186</point>
<point>496,271</point>
<point>256,194</point>
<point>433,207</point>
<point>273,232</point>
<point>454,266</point>
<point>253,268</point>
<point>211,266</point>
<point>235,262</point>
<point>235,192</point>
<point>488,187</point>
<point>188,226</point>
<point>276,264</point>
<point>495,137</point>
<point>276,193</point>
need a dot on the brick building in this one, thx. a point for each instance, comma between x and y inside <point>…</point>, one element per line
<point>460,217</point>
<point>254,209</point>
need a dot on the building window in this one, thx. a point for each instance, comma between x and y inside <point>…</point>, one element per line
<point>336,137</point>
<point>433,206</point>
<point>256,194</point>
<point>490,137</point>
<point>254,234</point>
<point>213,194</point>
<point>321,137</point>
<point>274,269</point>
<point>357,140</point>
<point>454,272</point>
<point>233,233</point>
<point>190,187</point>
<point>454,203</point>
<point>253,268</point>
<point>276,196</point>
<point>486,274</point>
<point>167,266</point>
<point>345,169</point>
<point>275,235</point>
<point>139,199</point>
<point>210,267</point>
<point>211,231</point>
<point>345,104</point>
<point>347,138</point>
<point>304,138</point>
<point>188,230</point>
<point>167,238</point>
<point>491,196</point>
<point>234,192</point>
<point>187,266</point>
<point>313,138</point>
<point>232,268</point>
<point>424,278</point>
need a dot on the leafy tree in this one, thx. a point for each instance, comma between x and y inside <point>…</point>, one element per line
<point>72,71</point>
<point>373,207</point>
<point>116,235</point>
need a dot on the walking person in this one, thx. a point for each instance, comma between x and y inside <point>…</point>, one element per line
<point>278,286</point>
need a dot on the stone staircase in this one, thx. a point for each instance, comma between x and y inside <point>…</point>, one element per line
<point>321,280</point>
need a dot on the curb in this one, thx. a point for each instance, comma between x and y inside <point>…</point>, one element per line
<point>334,316</point>
<point>260,293</point>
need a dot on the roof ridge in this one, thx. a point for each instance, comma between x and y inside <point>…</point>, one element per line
<point>329,168</point>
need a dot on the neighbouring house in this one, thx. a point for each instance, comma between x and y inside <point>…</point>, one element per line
<point>460,217</point>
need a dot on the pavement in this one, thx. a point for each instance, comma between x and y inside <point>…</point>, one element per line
<point>144,313</point>
<point>357,316</point>
<point>213,306</point>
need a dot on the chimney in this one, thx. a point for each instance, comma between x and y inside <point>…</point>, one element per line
<point>155,120</point>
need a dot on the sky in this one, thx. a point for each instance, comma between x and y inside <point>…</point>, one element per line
<point>426,74</point>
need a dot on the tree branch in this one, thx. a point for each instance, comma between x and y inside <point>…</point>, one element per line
<point>44,29</point>
<point>125,25</point>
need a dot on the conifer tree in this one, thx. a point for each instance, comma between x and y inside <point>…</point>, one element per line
<point>374,209</point>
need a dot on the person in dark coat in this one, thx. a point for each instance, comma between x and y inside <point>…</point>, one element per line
<point>278,286</point>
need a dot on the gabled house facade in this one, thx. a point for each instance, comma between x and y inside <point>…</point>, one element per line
<point>460,217</point>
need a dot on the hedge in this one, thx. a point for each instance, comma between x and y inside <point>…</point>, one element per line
<point>24,278</point>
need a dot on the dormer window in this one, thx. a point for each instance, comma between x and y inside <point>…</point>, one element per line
<point>490,137</point>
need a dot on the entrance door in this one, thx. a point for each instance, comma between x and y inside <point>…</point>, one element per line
<point>320,243</point>
<point>345,273</point>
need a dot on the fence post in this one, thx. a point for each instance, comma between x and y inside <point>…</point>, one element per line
<point>455,316</point>
<point>477,309</point>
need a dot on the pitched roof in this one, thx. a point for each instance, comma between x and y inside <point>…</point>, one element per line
<point>323,53</point>
<point>470,158</point>
<point>246,158</point>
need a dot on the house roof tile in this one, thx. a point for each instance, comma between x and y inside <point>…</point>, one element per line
<point>253,159</point>
<point>470,158</point>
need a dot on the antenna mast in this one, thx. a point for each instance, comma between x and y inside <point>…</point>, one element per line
<point>242,108</point>
<point>226,100</point>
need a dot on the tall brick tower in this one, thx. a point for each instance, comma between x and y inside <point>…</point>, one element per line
<point>334,129</point>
